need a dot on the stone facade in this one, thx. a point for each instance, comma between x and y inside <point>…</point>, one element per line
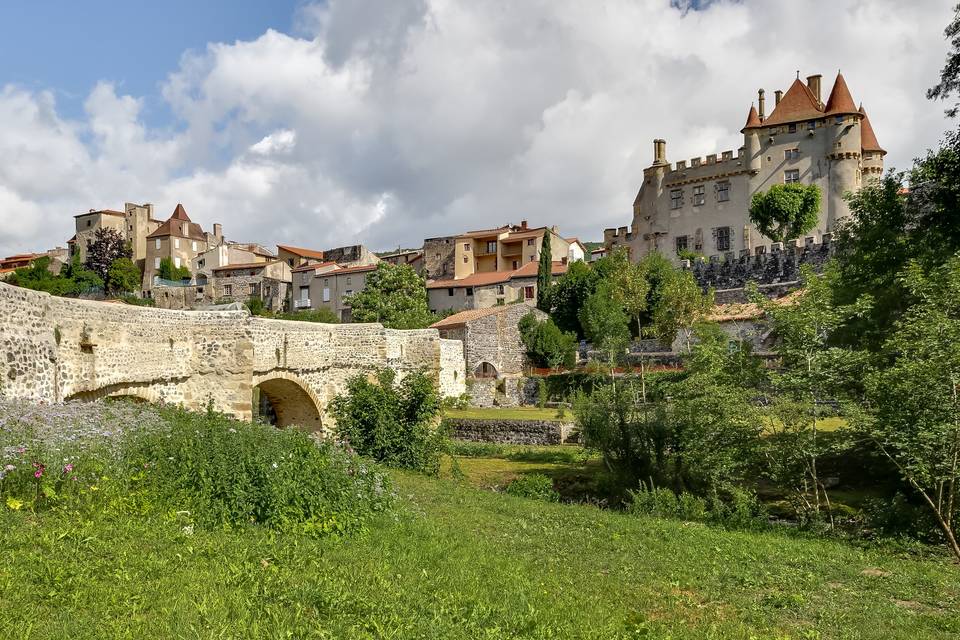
<point>438,257</point>
<point>779,265</point>
<point>702,205</point>
<point>54,349</point>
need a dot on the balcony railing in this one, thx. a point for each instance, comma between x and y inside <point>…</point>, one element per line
<point>301,303</point>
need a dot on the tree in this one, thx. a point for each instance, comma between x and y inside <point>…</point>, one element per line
<point>569,293</point>
<point>916,399</point>
<point>395,424</point>
<point>682,304</point>
<point>605,323</point>
<point>168,271</point>
<point>950,74</point>
<point>630,287</point>
<point>786,211</point>
<point>73,279</point>
<point>123,276</point>
<point>544,273</point>
<point>395,296</point>
<point>811,375</point>
<point>546,345</point>
<point>108,245</point>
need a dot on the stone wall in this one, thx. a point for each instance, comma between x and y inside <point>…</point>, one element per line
<point>780,265</point>
<point>54,349</point>
<point>529,432</point>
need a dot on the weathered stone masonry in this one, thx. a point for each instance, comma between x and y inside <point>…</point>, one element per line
<point>54,349</point>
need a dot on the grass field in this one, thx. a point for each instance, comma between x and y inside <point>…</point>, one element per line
<point>462,563</point>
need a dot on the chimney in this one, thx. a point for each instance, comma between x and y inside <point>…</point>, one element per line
<point>218,231</point>
<point>523,225</point>
<point>776,97</point>
<point>762,105</point>
<point>813,82</point>
<point>659,151</point>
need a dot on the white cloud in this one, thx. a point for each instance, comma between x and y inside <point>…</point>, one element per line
<point>386,122</point>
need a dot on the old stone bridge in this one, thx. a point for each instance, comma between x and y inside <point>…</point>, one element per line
<point>54,349</point>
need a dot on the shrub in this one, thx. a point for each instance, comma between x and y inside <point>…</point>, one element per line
<point>392,423</point>
<point>460,402</point>
<point>546,345</point>
<point>230,473</point>
<point>533,485</point>
<point>740,509</point>
<point>541,393</point>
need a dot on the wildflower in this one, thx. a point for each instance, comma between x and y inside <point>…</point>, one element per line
<point>188,530</point>
<point>67,468</point>
<point>274,465</point>
<point>232,430</point>
<point>8,468</point>
<point>14,504</point>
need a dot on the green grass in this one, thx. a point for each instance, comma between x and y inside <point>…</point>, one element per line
<point>462,563</point>
<point>508,413</point>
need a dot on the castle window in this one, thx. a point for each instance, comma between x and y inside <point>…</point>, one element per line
<point>228,289</point>
<point>723,191</point>
<point>469,291</point>
<point>156,243</point>
<point>499,289</point>
<point>465,260</point>
<point>450,292</point>
<point>676,198</point>
<point>811,125</point>
<point>698,195</point>
<point>839,120</point>
<point>466,246</point>
<point>681,242</point>
<point>791,175</point>
<point>723,238</point>
<point>529,242</point>
<point>193,246</point>
<point>867,156</point>
<point>791,154</point>
<point>792,128</point>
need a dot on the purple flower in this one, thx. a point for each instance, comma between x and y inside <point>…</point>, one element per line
<point>68,467</point>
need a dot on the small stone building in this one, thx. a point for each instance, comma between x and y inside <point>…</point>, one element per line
<point>268,281</point>
<point>494,353</point>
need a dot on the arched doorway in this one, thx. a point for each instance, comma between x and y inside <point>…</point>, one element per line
<point>284,403</point>
<point>485,370</point>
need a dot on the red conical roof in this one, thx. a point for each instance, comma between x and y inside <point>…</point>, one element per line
<point>180,214</point>
<point>868,139</point>
<point>753,119</point>
<point>840,100</point>
<point>796,105</point>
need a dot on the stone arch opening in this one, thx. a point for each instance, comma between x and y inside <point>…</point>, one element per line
<point>485,370</point>
<point>284,403</point>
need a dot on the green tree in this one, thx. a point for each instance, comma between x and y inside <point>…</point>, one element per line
<point>785,211</point>
<point>546,345</point>
<point>950,74</point>
<point>545,273</point>
<point>73,279</point>
<point>396,424</point>
<point>123,276</point>
<point>395,296</point>
<point>605,323</point>
<point>811,374</point>
<point>915,399</point>
<point>681,306</point>
<point>108,245</point>
<point>569,293</point>
<point>322,315</point>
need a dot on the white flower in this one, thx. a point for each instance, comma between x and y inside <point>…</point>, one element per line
<point>274,465</point>
<point>188,530</point>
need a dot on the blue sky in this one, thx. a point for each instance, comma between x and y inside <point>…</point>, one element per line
<point>321,123</point>
<point>69,45</point>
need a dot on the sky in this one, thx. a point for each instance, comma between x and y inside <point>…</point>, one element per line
<point>383,122</point>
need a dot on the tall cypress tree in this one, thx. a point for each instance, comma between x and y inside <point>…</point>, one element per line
<point>544,274</point>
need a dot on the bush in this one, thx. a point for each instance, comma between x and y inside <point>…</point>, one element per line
<point>546,345</point>
<point>322,315</point>
<point>740,510</point>
<point>460,402</point>
<point>533,485</point>
<point>392,423</point>
<point>229,473</point>
<point>120,458</point>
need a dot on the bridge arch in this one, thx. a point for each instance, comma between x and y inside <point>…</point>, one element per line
<point>286,400</point>
<point>134,392</point>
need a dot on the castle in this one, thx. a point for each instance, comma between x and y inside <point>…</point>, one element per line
<point>701,206</point>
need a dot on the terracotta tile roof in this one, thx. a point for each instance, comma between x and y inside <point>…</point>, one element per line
<point>313,266</point>
<point>796,105</point>
<point>106,212</point>
<point>303,253</point>
<point>868,139</point>
<point>173,226</point>
<point>247,265</point>
<point>357,269</point>
<point>462,318</point>
<point>840,101</point>
<point>753,119</point>
<point>528,270</point>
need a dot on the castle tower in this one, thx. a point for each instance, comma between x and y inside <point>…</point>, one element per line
<point>872,152</point>
<point>843,152</point>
